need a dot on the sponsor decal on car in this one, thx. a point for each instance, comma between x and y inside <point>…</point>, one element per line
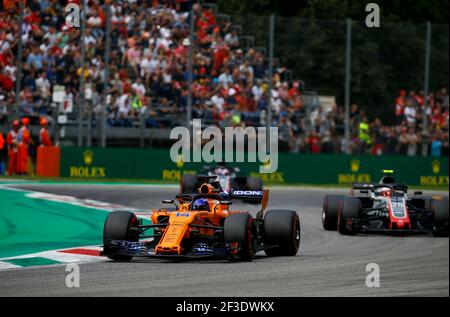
<point>247,193</point>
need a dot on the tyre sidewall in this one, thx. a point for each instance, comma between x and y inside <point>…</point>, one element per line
<point>350,208</point>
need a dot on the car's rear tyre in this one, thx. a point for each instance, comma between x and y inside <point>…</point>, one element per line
<point>282,228</point>
<point>349,210</point>
<point>119,225</point>
<point>189,184</point>
<point>440,214</point>
<point>330,211</point>
<point>239,231</point>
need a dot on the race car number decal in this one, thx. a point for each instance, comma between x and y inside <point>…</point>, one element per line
<point>398,207</point>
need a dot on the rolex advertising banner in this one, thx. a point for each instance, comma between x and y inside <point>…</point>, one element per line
<point>293,168</point>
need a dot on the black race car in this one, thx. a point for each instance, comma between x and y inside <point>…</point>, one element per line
<point>227,176</point>
<point>385,207</point>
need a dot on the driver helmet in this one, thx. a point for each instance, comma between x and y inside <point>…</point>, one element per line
<point>383,191</point>
<point>201,205</point>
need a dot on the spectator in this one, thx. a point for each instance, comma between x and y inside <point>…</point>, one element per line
<point>43,85</point>
<point>436,145</point>
<point>2,146</point>
<point>410,113</point>
<point>314,143</point>
<point>413,139</point>
<point>400,107</point>
<point>392,141</point>
<point>403,142</point>
<point>149,68</point>
<point>232,39</point>
<point>364,135</point>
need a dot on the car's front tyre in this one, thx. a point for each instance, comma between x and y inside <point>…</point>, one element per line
<point>440,214</point>
<point>282,230</point>
<point>330,211</point>
<point>119,225</point>
<point>239,232</point>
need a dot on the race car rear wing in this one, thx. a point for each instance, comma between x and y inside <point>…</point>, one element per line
<point>255,195</point>
<point>363,186</point>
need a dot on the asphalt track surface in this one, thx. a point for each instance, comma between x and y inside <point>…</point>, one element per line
<point>328,264</point>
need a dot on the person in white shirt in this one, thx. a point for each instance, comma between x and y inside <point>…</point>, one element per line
<point>410,114</point>
<point>257,91</point>
<point>232,39</point>
<point>124,102</point>
<point>226,78</point>
<point>89,39</point>
<point>43,85</point>
<point>138,87</point>
<point>145,65</point>
<point>218,101</point>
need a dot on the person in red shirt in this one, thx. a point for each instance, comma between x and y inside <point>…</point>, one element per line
<point>2,142</point>
<point>44,136</point>
<point>6,82</point>
<point>400,106</point>
<point>11,141</point>
<point>24,140</point>
<point>314,143</point>
<point>2,145</point>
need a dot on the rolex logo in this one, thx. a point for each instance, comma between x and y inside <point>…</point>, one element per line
<point>180,162</point>
<point>88,157</point>
<point>436,166</point>
<point>354,165</point>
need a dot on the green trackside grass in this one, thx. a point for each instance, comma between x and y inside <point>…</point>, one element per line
<point>29,225</point>
<point>118,181</point>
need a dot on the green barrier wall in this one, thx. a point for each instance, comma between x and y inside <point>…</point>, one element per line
<point>155,164</point>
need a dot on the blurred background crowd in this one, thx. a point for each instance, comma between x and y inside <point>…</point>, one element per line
<point>149,72</point>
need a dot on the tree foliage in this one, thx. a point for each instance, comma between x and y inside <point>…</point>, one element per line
<point>310,39</point>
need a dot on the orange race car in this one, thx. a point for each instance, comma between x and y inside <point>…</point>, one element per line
<point>202,226</point>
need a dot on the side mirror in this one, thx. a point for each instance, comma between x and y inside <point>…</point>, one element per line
<point>418,193</point>
<point>168,201</point>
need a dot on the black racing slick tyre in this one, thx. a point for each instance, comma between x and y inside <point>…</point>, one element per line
<point>119,225</point>
<point>440,214</point>
<point>282,230</point>
<point>349,210</point>
<point>189,184</point>
<point>239,231</point>
<point>330,211</point>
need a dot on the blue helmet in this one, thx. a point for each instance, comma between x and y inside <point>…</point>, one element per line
<point>201,204</point>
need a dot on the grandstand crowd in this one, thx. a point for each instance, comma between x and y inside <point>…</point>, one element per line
<point>149,74</point>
